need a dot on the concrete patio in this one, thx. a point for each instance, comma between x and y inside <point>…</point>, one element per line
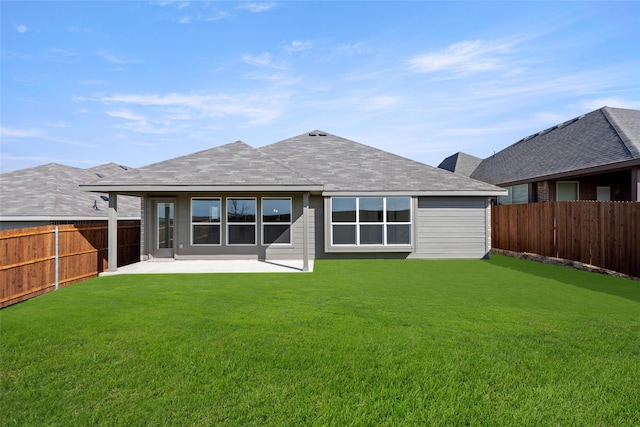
<point>171,266</point>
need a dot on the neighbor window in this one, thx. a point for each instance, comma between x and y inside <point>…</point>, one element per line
<point>205,221</point>
<point>241,221</point>
<point>518,194</point>
<point>566,191</point>
<point>276,221</point>
<point>379,221</point>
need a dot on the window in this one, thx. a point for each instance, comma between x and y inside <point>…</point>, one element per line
<point>518,194</point>
<point>205,221</point>
<point>567,190</point>
<point>241,221</point>
<point>379,221</point>
<point>276,221</point>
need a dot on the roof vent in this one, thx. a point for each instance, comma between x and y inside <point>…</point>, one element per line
<point>322,134</point>
<point>313,134</point>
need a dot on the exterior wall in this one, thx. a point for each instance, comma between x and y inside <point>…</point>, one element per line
<point>183,249</point>
<point>452,227</point>
<point>443,227</point>
<point>620,183</point>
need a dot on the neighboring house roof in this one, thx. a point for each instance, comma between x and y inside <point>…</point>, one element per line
<point>52,192</point>
<point>461,163</point>
<point>314,161</point>
<point>608,138</point>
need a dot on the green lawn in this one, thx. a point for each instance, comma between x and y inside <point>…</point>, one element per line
<point>364,343</point>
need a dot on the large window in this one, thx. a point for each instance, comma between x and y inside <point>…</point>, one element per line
<point>241,221</point>
<point>380,221</point>
<point>276,221</point>
<point>205,221</point>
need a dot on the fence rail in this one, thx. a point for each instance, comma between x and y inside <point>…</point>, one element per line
<point>605,234</point>
<point>37,260</point>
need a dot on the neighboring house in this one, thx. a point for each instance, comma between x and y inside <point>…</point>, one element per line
<point>312,196</point>
<point>592,157</point>
<point>50,194</point>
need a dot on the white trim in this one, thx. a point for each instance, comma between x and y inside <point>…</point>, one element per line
<point>254,223</point>
<point>384,224</point>
<point>290,223</point>
<point>200,188</point>
<point>219,224</point>
<point>452,193</point>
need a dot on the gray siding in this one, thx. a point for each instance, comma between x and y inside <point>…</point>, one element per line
<point>452,227</point>
<point>184,250</point>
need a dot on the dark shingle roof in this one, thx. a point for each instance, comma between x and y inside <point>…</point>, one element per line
<point>607,136</point>
<point>344,165</point>
<point>234,164</point>
<point>53,191</point>
<point>461,163</point>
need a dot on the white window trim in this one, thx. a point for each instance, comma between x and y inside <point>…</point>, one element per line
<point>290,223</point>
<point>577,183</point>
<point>219,224</point>
<point>358,223</point>
<point>254,223</point>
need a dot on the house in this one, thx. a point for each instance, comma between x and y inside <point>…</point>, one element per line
<point>312,196</point>
<point>592,157</point>
<point>50,194</point>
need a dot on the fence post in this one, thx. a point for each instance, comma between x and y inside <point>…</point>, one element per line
<point>57,258</point>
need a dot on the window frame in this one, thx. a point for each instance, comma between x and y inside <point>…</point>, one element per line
<point>231,223</point>
<point>219,224</point>
<point>577,184</point>
<point>263,223</point>
<point>385,223</point>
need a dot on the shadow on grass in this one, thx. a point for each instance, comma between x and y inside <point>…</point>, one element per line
<point>624,288</point>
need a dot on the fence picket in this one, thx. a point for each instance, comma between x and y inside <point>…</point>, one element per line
<point>28,267</point>
<point>605,234</point>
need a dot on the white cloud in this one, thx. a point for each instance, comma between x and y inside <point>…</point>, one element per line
<point>596,103</point>
<point>255,7</point>
<point>256,108</point>
<point>63,52</point>
<point>21,28</point>
<point>59,124</point>
<point>262,60</point>
<point>37,134</point>
<point>299,45</point>
<point>463,58</point>
<point>126,114</point>
<point>118,58</point>
<point>185,19</point>
<point>19,133</point>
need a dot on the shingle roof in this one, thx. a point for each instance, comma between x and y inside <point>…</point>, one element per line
<point>461,163</point>
<point>315,160</point>
<point>607,136</point>
<point>344,165</point>
<point>234,164</point>
<point>53,191</point>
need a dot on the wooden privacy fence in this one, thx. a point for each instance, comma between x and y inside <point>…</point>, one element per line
<point>605,234</point>
<point>36,260</point>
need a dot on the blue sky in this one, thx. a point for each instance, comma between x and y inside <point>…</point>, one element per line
<point>86,83</point>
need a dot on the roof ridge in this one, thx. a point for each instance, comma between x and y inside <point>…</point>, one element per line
<point>626,140</point>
